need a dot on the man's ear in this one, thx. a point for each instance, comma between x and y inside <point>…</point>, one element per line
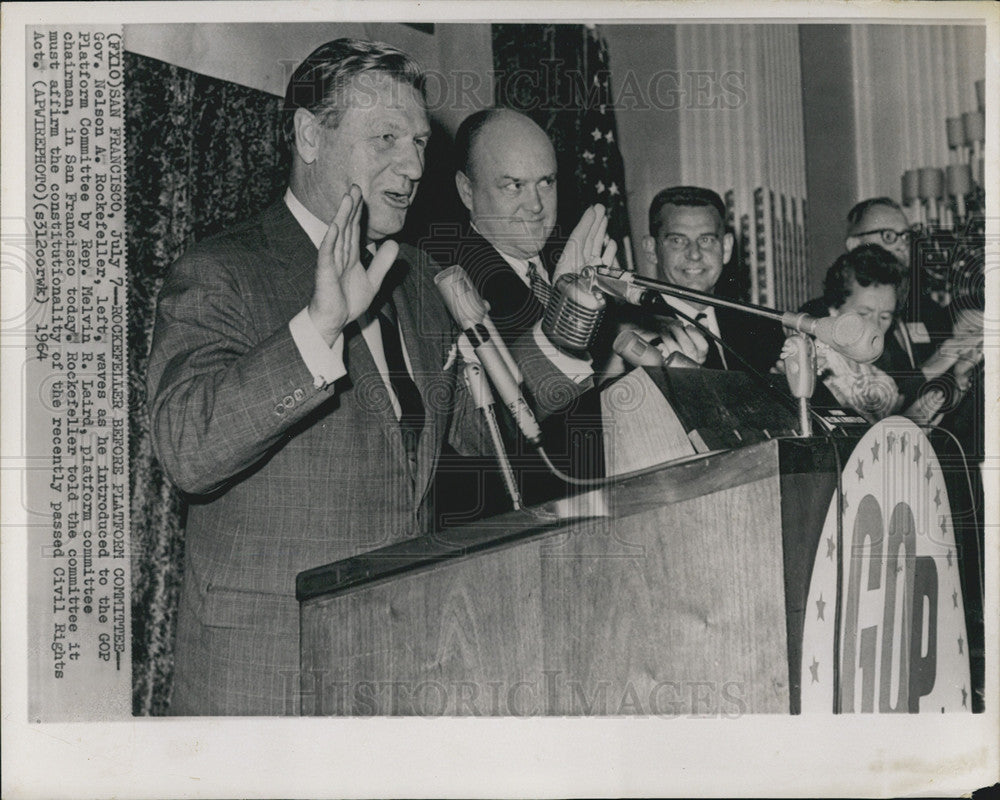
<point>728,240</point>
<point>649,249</point>
<point>307,135</point>
<point>852,243</point>
<point>464,186</point>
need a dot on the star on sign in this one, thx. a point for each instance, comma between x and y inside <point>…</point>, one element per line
<point>596,134</point>
<point>965,696</point>
<point>603,108</point>
<point>613,189</point>
<point>588,156</point>
<point>948,556</point>
<point>875,451</point>
<point>609,136</point>
<point>831,548</point>
<point>860,471</point>
<point>928,474</point>
<point>937,499</point>
<point>960,641</point>
<point>844,504</point>
<point>600,187</point>
<point>890,440</point>
<point>820,605</point>
<point>954,598</point>
<point>916,453</point>
<point>902,443</point>
<point>814,669</point>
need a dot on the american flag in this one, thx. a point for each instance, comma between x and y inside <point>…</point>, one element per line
<point>568,91</point>
<point>600,171</point>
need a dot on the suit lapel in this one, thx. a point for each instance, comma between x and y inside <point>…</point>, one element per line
<point>427,340</point>
<point>513,306</point>
<point>424,326</point>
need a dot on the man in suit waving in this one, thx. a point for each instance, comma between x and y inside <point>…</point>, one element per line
<point>506,179</point>
<point>300,398</point>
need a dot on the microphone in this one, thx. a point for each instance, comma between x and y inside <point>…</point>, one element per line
<point>574,312</point>
<point>637,351</point>
<point>469,310</point>
<point>847,333</point>
<point>640,353</point>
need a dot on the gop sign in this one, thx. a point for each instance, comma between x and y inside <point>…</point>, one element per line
<point>903,644</point>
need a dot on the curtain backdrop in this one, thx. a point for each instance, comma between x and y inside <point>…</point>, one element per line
<point>201,154</point>
<point>559,75</point>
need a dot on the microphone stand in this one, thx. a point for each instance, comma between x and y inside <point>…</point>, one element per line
<point>482,396</point>
<point>800,363</point>
<point>632,285</point>
<point>800,370</point>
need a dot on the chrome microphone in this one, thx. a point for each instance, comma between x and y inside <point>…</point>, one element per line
<point>574,312</point>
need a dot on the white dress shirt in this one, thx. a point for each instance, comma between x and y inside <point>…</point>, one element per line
<point>327,363</point>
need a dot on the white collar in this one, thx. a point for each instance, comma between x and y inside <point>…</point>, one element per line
<point>314,227</point>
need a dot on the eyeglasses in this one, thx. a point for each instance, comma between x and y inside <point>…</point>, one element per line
<point>678,241</point>
<point>889,236</point>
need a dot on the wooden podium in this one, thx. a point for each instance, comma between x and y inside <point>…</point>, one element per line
<point>699,587</point>
<point>681,595</point>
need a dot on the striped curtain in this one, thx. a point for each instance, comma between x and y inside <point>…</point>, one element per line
<point>909,79</point>
<point>202,154</point>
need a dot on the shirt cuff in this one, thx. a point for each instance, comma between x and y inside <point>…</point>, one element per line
<point>326,363</point>
<point>576,369</point>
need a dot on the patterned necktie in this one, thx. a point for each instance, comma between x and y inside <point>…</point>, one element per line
<point>539,286</point>
<point>715,358</point>
<point>411,420</point>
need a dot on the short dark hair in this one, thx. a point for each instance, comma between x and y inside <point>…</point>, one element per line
<point>868,265</point>
<point>320,82</point>
<point>684,196</point>
<point>857,213</point>
<point>467,134</point>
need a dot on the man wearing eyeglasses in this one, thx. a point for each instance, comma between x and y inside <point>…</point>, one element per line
<point>909,355</point>
<point>689,245</point>
<point>880,220</point>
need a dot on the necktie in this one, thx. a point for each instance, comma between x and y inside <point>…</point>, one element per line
<point>539,286</point>
<point>715,359</point>
<point>411,420</point>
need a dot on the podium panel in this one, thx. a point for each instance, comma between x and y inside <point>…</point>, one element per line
<point>672,604</point>
<point>793,574</point>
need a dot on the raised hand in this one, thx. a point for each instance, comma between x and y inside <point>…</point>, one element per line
<point>344,288</point>
<point>588,244</point>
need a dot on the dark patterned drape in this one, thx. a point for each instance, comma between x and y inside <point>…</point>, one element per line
<point>559,75</point>
<point>202,154</point>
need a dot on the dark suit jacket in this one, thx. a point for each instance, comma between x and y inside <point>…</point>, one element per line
<point>572,437</point>
<point>285,476</point>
